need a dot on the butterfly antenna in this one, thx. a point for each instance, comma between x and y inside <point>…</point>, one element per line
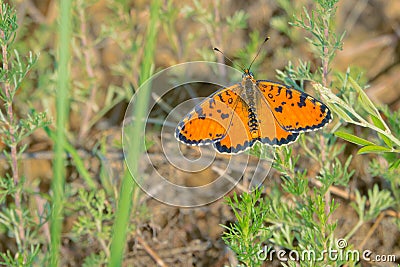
<point>227,58</point>
<point>258,52</point>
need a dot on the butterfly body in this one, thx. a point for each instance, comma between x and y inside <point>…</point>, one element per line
<point>236,117</point>
<point>248,95</point>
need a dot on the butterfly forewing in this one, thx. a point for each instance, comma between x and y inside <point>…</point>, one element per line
<point>295,111</point>
<point>209,121</point>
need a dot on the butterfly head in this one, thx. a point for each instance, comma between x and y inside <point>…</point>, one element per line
<point>247,74</point>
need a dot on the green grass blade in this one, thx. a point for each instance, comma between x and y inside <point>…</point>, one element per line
<point>121,221</point>
<point>56,216</point>
<point>129,190</point>
<point>79,164</point>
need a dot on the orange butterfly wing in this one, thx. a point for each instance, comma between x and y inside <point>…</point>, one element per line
<point>208,121</point>
<point>270,132</point>
<point>238,137</point>
<point>295,111</point>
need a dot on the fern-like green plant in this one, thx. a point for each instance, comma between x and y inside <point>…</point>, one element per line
<point>16,219</point>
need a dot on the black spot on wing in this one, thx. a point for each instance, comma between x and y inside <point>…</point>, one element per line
<point>289,94</point>
<point>224,116</point>
<point>279,90</point>
<point>200,113</point>
<point>211,103</point>
<point>181,126</point>
<point>323,109</point>
<point>302,102</point>
<point>279,109</point>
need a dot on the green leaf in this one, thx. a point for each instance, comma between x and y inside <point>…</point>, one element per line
<point>379,200</point>
<point>378,123</point>
<point>341,112</point>
<point>366,103</point>
<point>373,149</point>
<point>394,165</point>
<point>353,139</point>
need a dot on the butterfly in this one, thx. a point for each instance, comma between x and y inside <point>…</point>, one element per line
<point>234,118</point>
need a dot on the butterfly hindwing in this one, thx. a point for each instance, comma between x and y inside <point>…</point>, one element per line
<point>270,132</point>
<point>208,121</point>
<point>295,111</point>
<point>238,137</point>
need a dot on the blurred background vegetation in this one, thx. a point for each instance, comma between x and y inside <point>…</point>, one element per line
<point>115,47</point>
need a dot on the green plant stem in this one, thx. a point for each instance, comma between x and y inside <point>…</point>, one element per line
<point>129,192</point>
<point>61,121</point>
<point>13,147</point>
<point>354,229</point>
<point>325,70</point>
<point>335,101</point>
<point>121,220</point>
<point>309,152</point>
<point>325,59</point>
<point>102,242</point>
<point>363,123</point>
